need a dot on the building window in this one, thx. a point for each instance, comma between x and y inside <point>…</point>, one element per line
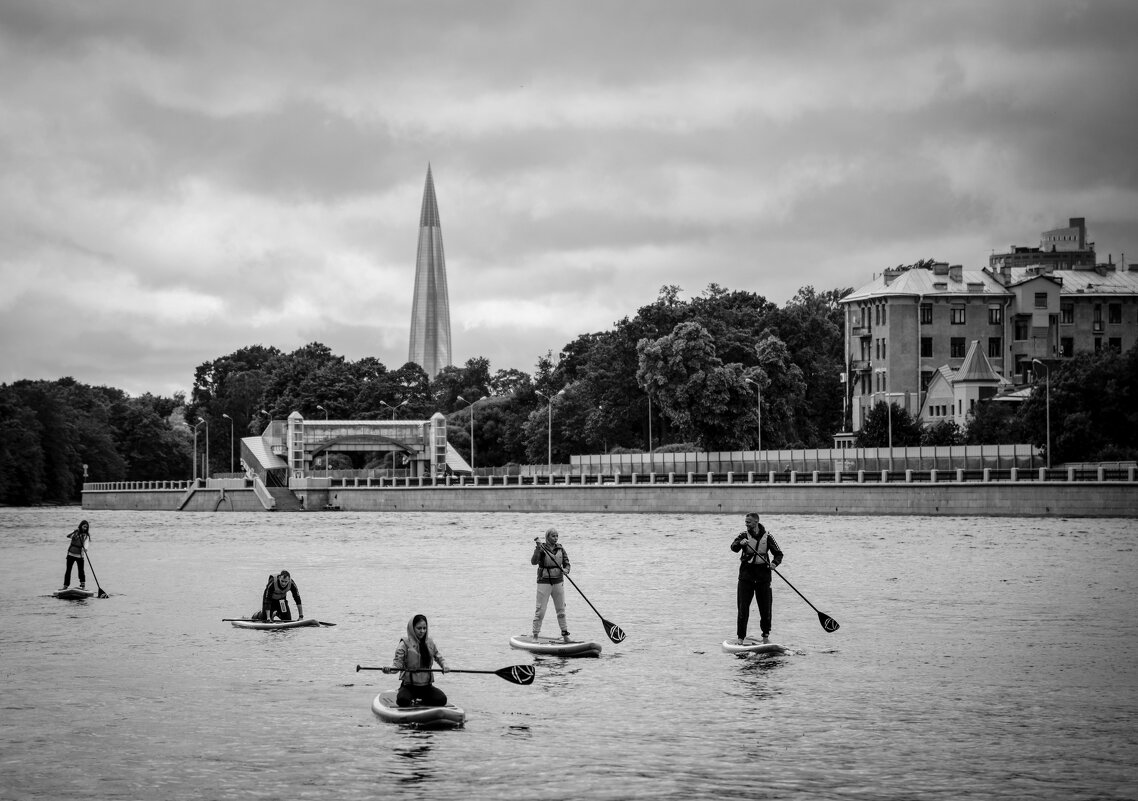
<point>926,378</point>
<point>1115,344</point>
<point>1022,328</point>
<point>1097,313</point>
<point>1114,313</point>
<point>1067,314</point>
<point>877,315</point>
<point>926,314</point>
<point>884,310</point>
<point>1067,347</point>
<point>995,315</point>
<point>883,348</point>
<point>956,348</point>
<point>995,347</point>
<point>1098,344</point>
<point>1041,300</point>
<point>958,315</point>
<point>926,347</point>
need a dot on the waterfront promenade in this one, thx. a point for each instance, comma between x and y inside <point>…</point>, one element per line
<point>1061,492</point>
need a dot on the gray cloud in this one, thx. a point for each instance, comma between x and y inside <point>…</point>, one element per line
<point>177,182</point>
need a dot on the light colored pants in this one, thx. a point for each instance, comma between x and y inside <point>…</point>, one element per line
<point>543,593</point>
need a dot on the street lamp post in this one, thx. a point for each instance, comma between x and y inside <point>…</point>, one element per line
<point>889,395</point>
<point>230,419</point>
<point>393,408</point>
<point>1048,396</point>
<point>196,448</point>
<point>759,407</point>
<point>471,403</point>
<point>205,467</point>
<point>548,433</point>
<point>321,408</point>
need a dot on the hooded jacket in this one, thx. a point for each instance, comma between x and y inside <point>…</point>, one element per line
<point>407,655</point>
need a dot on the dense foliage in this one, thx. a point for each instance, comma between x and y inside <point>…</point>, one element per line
<point>678,374</point>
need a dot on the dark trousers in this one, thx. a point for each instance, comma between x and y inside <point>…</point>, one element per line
<point>74,560</point>
<point>425,694</point>
<point>760,590</point>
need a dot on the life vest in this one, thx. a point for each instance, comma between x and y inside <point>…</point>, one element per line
<point>552,572</point>
<point>276,591</point>
<point>412,658</point>
<point>754,551</point>
<point>77,539</point>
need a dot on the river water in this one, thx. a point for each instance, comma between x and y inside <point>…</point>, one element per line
<point>977,658</point>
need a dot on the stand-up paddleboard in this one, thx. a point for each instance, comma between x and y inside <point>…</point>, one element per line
<point>554,646</point>
<point>276,624</point>
<point>425,717</point>
<point>752,646</point>
<point>73,594</point>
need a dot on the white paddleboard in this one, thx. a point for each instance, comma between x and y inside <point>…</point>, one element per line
<point>276,624</point>
<point>436,717</point>
<point>752,646</point>
<point>73,594</point>
<point>554,646</point>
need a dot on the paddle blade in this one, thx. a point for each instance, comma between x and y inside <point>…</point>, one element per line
<point>325,623</point>
<point>615,632</point>
<point>518,674</point>
<point>828,623</point>
<point>103,594</point>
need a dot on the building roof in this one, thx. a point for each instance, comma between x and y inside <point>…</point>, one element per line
<point>259,449</point>
<point>921,281</point>
<point>1083,282</point>
<point>976,367</point>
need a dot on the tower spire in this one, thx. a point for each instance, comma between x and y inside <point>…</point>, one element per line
<point>430,309</point>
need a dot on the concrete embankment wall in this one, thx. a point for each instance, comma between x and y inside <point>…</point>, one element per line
<point>1029,499</point>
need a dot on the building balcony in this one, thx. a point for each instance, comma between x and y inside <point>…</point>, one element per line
<point>859,365</point>
<point>861,330</point>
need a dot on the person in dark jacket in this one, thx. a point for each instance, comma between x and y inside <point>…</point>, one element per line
<point>418,650</point>
<point>274,600</point>
<point>552,564</point>
<point>80,538</point>
<point>757,553</point>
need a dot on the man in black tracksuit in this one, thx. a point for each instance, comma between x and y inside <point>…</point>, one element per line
<point>758,552</point>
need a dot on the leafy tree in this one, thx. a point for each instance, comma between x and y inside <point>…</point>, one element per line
<point>942,432</point>
<point>881,420</point>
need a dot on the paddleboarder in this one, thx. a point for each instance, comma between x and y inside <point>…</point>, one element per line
<point>758,551</point>
<point>80,538</point>
<point>418,650</point>
<point>552,566</point>
<point>274,600</point>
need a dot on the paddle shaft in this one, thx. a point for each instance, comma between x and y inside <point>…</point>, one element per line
<point>88,555</point>
<point>615,633</point>
<point>515,674</point>
<point>828,623</point>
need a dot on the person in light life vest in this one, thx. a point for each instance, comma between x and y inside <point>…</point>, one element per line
<point>80,538</point>
<point>418,650</point>
<point>274,601</point>
<point>757,552</point>
<point>552,565</point>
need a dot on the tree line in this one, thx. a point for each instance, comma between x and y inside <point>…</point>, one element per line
<point>677,375</point>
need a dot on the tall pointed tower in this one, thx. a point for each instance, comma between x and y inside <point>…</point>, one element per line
<point>430,310</point>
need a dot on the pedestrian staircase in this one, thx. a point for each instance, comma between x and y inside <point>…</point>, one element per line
<point>285,500</point>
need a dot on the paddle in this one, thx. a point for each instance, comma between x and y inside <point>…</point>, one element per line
<point>101,593</point>
<point>615,632</point>
<point>828,623</point>
<point>515,674</point>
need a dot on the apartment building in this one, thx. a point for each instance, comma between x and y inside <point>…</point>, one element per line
<point>912,324</point>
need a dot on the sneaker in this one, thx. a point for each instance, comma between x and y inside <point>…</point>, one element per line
<point>565,636</point>
<point>766,637</point>
<point>64,587</point>
<point>82,586</point>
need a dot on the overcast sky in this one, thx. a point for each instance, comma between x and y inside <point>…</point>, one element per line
<point>182,179</point>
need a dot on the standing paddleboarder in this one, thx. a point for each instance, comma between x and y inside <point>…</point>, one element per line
<point>79,539</point>
<point>755,574</point>
<point>552,564</point>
